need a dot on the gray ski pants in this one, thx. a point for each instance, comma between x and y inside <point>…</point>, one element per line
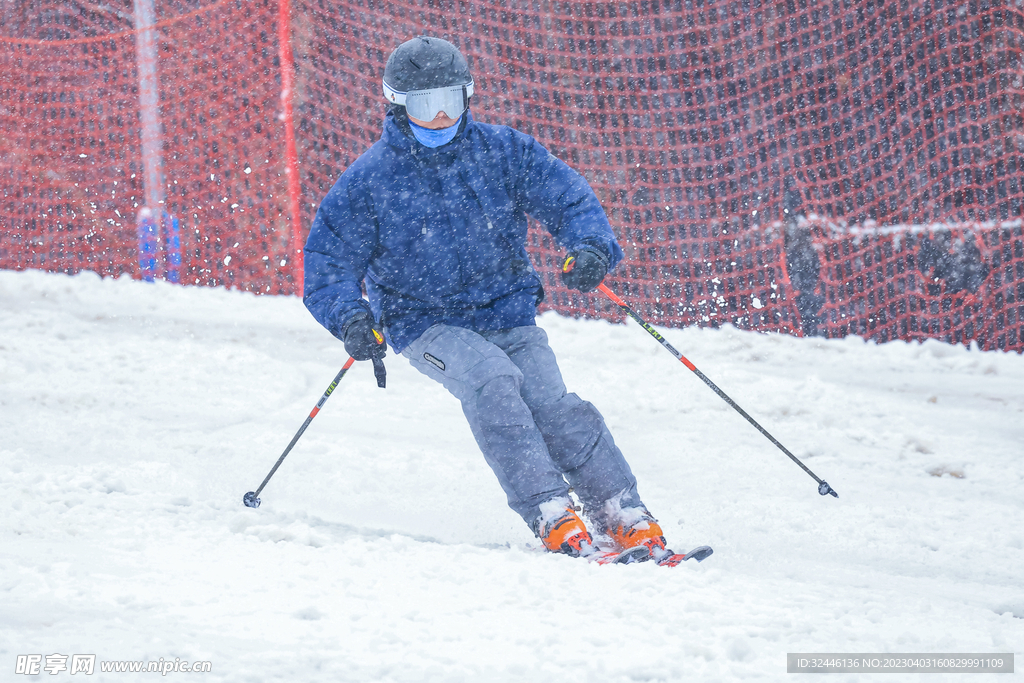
<point>533,434</point>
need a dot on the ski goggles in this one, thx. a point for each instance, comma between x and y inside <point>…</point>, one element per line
<point>424,105</point>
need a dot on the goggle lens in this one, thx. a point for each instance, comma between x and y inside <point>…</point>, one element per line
<point>425,104</point>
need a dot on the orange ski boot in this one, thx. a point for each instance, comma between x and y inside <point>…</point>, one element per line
<point>566,533</point>
<point>636,527</point>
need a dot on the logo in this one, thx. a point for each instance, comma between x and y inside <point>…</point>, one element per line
<point>434,361</point>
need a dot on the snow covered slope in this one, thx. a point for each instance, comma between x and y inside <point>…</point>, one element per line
<point>133,417</point>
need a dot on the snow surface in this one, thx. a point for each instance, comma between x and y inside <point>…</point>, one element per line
<point>134,416</point>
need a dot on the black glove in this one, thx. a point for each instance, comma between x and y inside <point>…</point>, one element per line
<point>584,269</point>
<point>361,338</point>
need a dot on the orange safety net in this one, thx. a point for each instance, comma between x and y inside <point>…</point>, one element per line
<point>703,126</point>
<point>679,279</point>
<point>71,163</point>
<point>1002,323</point>
<point>224,142</point>
<point>881,285</point>
<point>67,147</point>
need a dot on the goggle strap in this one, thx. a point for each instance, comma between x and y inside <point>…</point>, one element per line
<point>392,95</point>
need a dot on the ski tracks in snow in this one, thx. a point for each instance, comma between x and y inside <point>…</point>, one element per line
<point>133,418</point>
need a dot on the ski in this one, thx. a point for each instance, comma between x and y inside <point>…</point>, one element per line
<point>629,556</point>
<point>666,558</point>
<point>641,553</point>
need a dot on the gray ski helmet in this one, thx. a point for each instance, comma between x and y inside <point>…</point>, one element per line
<point>425,63</point>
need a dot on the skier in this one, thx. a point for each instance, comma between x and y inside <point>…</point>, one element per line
<point>433,219</point>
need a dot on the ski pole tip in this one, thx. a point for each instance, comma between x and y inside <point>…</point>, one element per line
<point>250,500</point>
<point>824,489</point>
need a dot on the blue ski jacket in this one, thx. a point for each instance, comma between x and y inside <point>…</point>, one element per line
<point>439,234</point>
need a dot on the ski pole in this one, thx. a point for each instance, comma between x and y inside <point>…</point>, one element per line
<point>251,499</point>
<point>823,487</point>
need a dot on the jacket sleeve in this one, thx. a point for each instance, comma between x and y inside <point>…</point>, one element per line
<point>556,195</point>
<point>341,242</point>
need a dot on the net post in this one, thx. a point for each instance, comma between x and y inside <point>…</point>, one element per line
<point>150,215</point>
<point>295,241</point>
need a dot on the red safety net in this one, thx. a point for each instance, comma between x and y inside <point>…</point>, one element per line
<point>877,285</point>
<point>225,143</point>
<point>708,277</point>
<point>1002,323</point>
<point>874,288</point>
<point>71,160</point>
<point>67,146</point>
<point>701,125</point>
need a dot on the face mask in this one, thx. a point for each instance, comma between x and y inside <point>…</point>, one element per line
<point>435,138</point>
